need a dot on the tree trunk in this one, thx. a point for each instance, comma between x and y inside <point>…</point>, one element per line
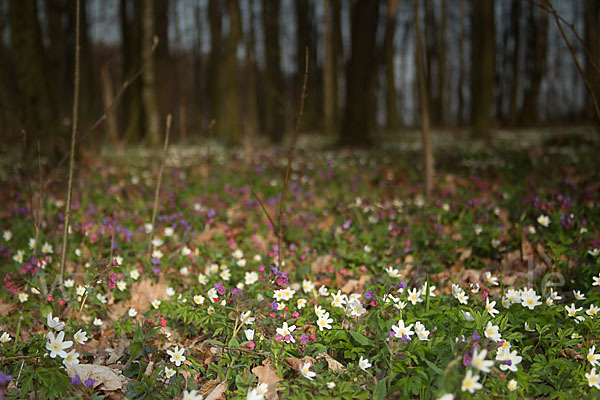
<point>460,112</point>
<point>131,40</point>
<point>165,72</point>
<point>37,110</point>
<point>427,148</point>
<point>388,55</point>
<point>306,37</point>
<point>539,42</point>
<point>441,64</point>
<point>228,124</point>
<point>57,67</point>
<point>515,17</point>
<point>482,66</point>
<point>361,72</point>
<point>149,89</point>
<point>592,43</point>
<point>215,19</point>
<point>252,119</point>
<point>274,107</point>
<point>329,71</point>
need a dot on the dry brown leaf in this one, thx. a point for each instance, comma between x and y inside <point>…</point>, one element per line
<point>332,363</point>
<point>6,309</point>
<point>526,249</point>
<point>327,223</point>
<point>218,392</point>
<point>267,374</point>
<point>142,294</point>
<point>297,363</point>
<point>208,387</point>
<point>320,264</point>
<point>106,379</point>
<point>465,254</point>
<point>570,353</point>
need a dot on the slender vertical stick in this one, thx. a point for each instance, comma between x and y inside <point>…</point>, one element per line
<point>290,157</point>
<point>425,137</point>
<point>63,255</point>
<point>159,181</point>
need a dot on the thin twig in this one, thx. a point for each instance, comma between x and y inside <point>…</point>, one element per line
<point>104,116</point>
<point>208,155</point>
<point>244,350</point>
<point>290,158</point>
<point>18,358</point>
<point>63,256</point>
<point>549,8</point>
<point>159,181</point>
<point>265,211</point>
<point>579,68</point>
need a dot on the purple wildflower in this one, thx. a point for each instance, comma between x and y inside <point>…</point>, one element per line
<point>220,288</point>
<point>4,378</point>
<point>274,306</point>
<point>89,382</point>
<point>369,294</point>
<point>402,284</point>
<point>76,380</point>
<point>476,336</point>
<point>304,338</point>
<point>467,359</point>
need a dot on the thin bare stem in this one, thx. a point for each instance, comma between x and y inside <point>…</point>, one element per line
<point>265,211</point>
<point>549,8</point>
<point>289,164</point>
<point>208,153</point>
<point>244,350</point>
<point>63,255</point>
<point>159,181</point>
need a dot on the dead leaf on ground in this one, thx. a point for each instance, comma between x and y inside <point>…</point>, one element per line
<point>572,354</point>
<point>321,264</point>
<point>332,363</point>
<point>218,392</point>
<point>6,308</point>
<point>142,294</point>
<point>297,363</point>
<point>106,379</point>
<point>267,374</point>
<point>208,387</point>
<point>465,254</point>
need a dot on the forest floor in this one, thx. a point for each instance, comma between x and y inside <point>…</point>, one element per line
<point>488,289</point>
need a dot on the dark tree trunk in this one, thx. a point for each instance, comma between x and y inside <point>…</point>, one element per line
<point>152,115</point>
<point>216,27</point>
<point>131,33</point>
<point>389,53</point>
<point>330,76</point>
<point>538,39</point>
<point>228,124</point>
<point>361,102</point>
<point>592,43</point>
<point>460,112</point>
<point>515,17</point>
<point>165,74</point>
<point>482,66</point>
<point>274,107</point>
<point>37,109</point>
<point>306,37</point>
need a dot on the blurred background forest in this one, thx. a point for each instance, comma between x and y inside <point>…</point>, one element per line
<point>240,63</point>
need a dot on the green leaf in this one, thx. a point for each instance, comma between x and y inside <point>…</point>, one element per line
<point>380,390</point>
<point>360,338</point>
<point>434,367</point>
